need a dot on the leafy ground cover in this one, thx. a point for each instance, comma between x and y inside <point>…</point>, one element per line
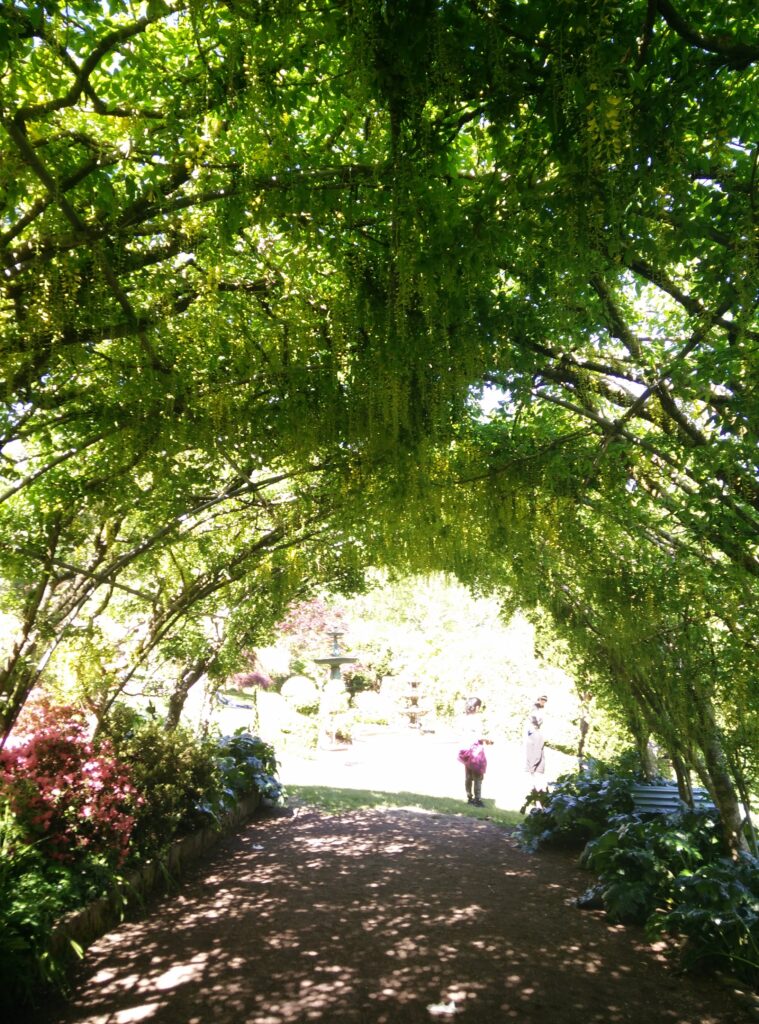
<point>668,872</point>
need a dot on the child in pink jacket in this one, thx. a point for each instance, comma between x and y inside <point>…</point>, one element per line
<point>472,752</point>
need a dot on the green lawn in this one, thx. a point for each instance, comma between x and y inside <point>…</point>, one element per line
<point>335,801</point>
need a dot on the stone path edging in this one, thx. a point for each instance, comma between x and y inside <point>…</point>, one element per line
<point>91,922</point>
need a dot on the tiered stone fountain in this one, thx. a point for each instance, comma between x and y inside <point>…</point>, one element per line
<point>335,660</point>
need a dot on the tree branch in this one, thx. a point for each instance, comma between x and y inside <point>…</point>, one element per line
<point>88,66</point>
<point>738,55</point>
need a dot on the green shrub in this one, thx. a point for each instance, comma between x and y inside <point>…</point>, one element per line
<point>667,873</point>
<point>176,773</point>
<point>662,871</point>
<point>183,782</point>
<point>716,911</point>
<point>640,860</point>
<point>577,807</point>
<point>247,764</point>
<point>302,694</point>
<point>188,781</point>
<point>28,905</point>
<point>34,893</point>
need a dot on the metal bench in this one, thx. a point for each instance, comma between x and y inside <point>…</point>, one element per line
<point>664,798</point>
<point>229,703</point>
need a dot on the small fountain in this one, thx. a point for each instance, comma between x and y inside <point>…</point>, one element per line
<point>414,712</point>
<point>334,660</point>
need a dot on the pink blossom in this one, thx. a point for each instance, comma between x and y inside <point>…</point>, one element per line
<point>57,783</point>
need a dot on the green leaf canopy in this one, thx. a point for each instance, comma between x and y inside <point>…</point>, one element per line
<point>243,242</point>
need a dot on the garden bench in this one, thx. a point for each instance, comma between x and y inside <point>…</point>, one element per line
<point>229,703</point>
<point>664,798</point>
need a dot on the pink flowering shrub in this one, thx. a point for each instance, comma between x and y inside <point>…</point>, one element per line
<point>71,799</point>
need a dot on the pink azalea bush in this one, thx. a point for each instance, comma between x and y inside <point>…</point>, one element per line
<point>71,798</point>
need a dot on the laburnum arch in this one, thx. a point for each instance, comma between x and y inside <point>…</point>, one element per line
<point>260,262</point>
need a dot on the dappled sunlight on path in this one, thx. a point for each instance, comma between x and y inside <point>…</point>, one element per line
<point>381,917</point>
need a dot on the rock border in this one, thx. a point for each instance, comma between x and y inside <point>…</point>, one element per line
<point>82,927</point>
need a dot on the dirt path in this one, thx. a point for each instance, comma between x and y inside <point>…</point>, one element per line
<point>377,917</point>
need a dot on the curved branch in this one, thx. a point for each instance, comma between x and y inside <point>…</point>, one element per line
<point>41,205</point>
<point>76,570</point>
<point>688,302</point>
<point>689,486</point>
<point>619,328</point>
<point>16,131</point>
<point>737,54</point>
<point>88,66</point>
<point>70,453</point>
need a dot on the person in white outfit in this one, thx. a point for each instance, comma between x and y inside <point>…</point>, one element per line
<point>535,744</point>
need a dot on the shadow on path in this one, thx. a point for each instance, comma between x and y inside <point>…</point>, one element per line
<point>382,917</point>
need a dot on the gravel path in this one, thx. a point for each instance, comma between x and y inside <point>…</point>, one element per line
<point>373,917</point>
